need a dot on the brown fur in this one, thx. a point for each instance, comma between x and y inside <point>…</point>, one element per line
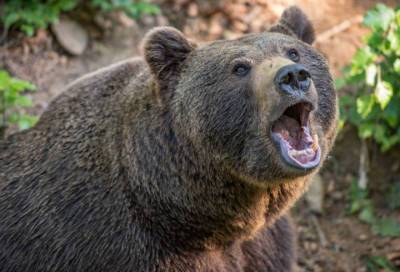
<point>163,164</point>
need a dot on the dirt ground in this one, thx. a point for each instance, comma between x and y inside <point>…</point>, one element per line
<point>331,241</point>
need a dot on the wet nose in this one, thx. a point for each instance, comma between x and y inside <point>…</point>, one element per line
<point>293,78</point>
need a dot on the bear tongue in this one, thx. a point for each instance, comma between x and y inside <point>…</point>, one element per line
<point>289,129</point>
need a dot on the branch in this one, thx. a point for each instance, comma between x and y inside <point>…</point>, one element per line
<point>326,35</point>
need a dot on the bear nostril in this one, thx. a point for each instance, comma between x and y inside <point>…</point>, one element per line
<point>303,75</point>
<point>293,77</point>
<point>286,79</point>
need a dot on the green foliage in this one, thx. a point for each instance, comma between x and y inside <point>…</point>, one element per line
<point>30,15</point>
<point>374,71</point>
<point>12,100</point>
<point>362,205</point>
<point>132,9</point>
<point>380,264</point>
<point>393,196</point>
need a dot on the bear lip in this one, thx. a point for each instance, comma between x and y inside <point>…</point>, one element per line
<point>292,133</point>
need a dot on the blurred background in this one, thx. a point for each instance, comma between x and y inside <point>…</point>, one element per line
<point>350,218</point>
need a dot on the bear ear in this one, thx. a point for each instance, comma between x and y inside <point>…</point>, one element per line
<point>165,49</point>
<point>295,23</point>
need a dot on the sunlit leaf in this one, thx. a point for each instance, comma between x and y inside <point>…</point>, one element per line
<point>383,93</point>
<point>396,65</point>
<point>364,105</point>
<point>363,57</point>
<point>21,85</point>
<point>393,39</point>
<point>366,130</point>
<point>371,73</point>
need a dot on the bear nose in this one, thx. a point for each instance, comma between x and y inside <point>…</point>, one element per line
<point>292,78</point>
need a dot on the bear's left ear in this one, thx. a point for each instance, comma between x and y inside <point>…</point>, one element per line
<point>165,49</point>
<point>295,23</point>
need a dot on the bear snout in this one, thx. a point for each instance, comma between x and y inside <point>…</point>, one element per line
<point>293,79</point>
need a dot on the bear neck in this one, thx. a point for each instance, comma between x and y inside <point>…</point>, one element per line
<point>188,201</point>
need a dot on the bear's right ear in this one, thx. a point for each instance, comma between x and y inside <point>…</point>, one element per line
<point>294,22</point>
<point>165,49</point>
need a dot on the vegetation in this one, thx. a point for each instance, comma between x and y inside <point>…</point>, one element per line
<point>374,109</point>
<point>380,264</point>
<point>374,71</point>
<point>363,206</point>
<point>12,102</point>
<point>28,16</point>
<point>131,8</point>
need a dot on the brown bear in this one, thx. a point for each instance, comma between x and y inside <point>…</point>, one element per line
<point>185,160</point>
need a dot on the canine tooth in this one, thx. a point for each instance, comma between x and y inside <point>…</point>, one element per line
<point>315,144</point>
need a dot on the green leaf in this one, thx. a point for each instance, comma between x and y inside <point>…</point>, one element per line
<point>390,142</point>
<point>383,93</point>
<point>363,57</point>
<point>387,227</point>
<point>393,196</point>
<point>393,39</point>
<point>371,73</point>
<point>23,101</point>
<point>10,19</point>
<point>26,121</point>
<point>396,65</point>
<point>340,83</point>
<point>10,96</point>
<point>341,122</point>
<point>392,113</point>
<point>366,130</point>
<point>364,105</point>
<point>376,263</point>
<point>379,18</point>
<point>21,85</point>
<point>367,215</point>
<point>29,30</point>
<point>13,118</point>
<point>380,133</point>
<point>4,80</point>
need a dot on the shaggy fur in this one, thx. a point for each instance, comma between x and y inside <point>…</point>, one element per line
<point>163,163</point>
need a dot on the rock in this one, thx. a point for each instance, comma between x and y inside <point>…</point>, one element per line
<point>71,36</point>
<point>362,237</point>
<point>315,194</point>
<point>161,20</point>
<point>193,10</point>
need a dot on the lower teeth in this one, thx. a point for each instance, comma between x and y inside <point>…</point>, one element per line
<point>315,144</point>
<point>296,153</point>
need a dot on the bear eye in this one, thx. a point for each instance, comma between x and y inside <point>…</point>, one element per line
<point>293,55</point>
<point>241,69</point>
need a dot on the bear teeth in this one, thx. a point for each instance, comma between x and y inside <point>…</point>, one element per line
<point>296,153</point>
<point>315,144</point>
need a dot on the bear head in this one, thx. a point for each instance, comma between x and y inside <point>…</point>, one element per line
<point>261,107</point>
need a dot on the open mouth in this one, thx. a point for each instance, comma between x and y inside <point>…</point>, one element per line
<point>292,132</point>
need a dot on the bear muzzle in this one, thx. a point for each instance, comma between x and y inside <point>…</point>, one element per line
<point>285,94</point>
